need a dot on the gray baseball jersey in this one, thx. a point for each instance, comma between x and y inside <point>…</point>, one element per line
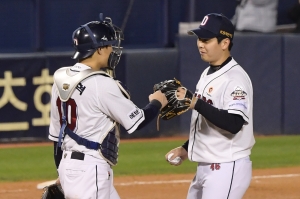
<point>229,88</point>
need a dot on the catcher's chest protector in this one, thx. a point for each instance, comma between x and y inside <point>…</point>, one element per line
<point>66,83</point>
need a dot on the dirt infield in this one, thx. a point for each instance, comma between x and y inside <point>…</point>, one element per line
<point>282,183</point>
<point>279,183</point>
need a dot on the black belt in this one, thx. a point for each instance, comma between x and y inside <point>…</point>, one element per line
<point>77,155</point>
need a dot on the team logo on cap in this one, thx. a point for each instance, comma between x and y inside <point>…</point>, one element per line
<point>238,93</point>
<point>204,21</point>
<point>104,38</point>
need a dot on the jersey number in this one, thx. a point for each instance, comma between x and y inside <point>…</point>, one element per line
<point>71,112</point>
<point>209,101</point>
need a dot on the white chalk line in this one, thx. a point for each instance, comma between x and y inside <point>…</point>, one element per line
<point>277,176</point>
<point>151,182</point>
<point>167,182</point>
<point>13,191</point>
<point>189,181</point>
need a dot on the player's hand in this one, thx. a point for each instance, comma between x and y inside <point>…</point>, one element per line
<point>158,95</point>
<point>180,94</point>
<point>177,152</point>
<point>194,101</point>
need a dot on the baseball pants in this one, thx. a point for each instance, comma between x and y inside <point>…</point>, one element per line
<point>85,177</point>
<point>228,180</point>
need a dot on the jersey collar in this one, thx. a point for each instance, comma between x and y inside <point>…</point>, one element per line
<point>226,67</point>
<point>79,67</point>
<point>213,69</point>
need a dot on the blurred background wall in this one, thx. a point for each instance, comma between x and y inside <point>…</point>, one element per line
<point>47,25</point>
<point>35,40</point>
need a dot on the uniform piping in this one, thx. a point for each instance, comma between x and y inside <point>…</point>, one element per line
<point>231,179</point>
<point>202,96</point>
<point>96,182</point>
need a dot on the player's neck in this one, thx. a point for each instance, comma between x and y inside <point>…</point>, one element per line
<point>214,68</point>
<point>220,61</point>
<point>91,63</point>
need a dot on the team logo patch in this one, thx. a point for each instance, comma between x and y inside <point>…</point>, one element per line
<point>238,93</point>
<point>134,113</point>
<point>80,88</point>
<point>104,38</point>
<point>65,86</point>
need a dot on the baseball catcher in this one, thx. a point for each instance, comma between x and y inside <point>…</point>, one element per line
<point>53,191</point>
<point>179,98</point>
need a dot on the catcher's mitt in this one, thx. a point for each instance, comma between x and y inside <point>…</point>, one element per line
<point>53,191</point>
<point>175,105</point>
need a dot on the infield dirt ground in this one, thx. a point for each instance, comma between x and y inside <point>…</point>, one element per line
<point>278,183</point>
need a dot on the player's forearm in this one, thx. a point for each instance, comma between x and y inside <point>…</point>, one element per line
<point>150,111</point>
<point>221,118</point>
<point>57,154</point>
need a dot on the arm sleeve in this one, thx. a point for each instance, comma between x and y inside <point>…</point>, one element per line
<point>186,145</point>
<point>57,154</point>
<point>150,111</point>
<point>221,118</point>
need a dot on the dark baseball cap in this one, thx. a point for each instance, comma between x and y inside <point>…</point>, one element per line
<point>214,25</point>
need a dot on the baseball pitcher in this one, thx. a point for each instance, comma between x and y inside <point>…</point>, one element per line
<point>221,129</point>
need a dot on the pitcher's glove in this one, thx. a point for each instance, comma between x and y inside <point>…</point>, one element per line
<point>176,106</point>
<point>53,191</point>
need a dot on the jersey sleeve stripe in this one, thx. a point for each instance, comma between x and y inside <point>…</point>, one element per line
<point>239,112</point>
<point>53,138</point>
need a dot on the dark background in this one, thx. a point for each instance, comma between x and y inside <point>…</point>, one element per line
<point>36,35</point>
<point>47,25</point>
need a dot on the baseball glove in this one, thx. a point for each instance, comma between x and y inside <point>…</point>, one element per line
<point>175,105</point>
<point>53,191</point>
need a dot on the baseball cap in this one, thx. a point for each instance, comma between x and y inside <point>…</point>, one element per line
<point>214,25</point>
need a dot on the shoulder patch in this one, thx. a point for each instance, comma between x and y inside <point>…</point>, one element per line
<point>238,93</point>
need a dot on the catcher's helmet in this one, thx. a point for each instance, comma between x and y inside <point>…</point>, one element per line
<point>95,34</point>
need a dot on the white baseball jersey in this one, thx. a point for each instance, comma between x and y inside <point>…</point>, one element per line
<point>92,110</point>
<point>229,88</point>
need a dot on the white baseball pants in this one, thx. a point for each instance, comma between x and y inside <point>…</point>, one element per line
<point>228,180</point>
<point>86,178</point>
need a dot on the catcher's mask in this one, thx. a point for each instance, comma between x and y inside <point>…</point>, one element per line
<point>96,34</point>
